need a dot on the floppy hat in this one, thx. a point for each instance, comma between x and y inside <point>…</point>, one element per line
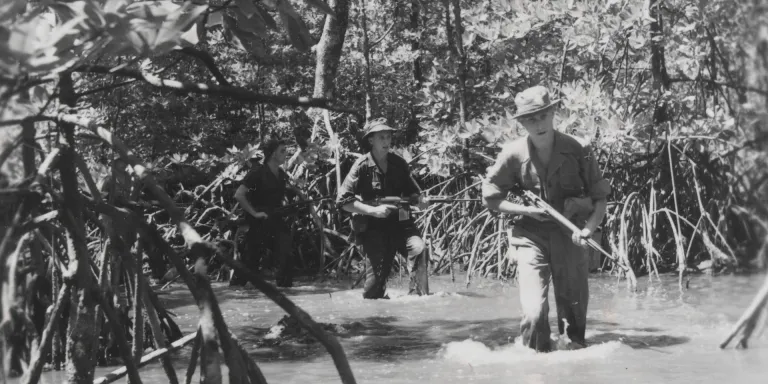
<point>376,125</point>
<point>533,100</point>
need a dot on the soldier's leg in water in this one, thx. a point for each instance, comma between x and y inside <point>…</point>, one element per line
<point>251,254</point>
<point>418,265</point>
<point>283,251</point>
<point>570,268</point>
<point>533,275</point>
<point>379,250</point>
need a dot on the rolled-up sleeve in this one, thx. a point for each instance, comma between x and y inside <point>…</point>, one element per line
<point>596,186</point>
<point>501,177</point>
<point>348,191</point>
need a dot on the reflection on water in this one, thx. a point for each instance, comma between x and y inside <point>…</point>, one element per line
<point>657,334</point>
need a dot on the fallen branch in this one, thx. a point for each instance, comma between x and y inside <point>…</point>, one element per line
<point>148,358</point>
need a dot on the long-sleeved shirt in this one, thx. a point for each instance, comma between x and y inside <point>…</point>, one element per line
<point>572,172</point>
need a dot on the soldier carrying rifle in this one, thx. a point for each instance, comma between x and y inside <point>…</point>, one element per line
<point>384,229</point>
<point>565,174</point>
<point>261,194</point>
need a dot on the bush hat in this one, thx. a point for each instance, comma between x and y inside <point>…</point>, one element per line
<point>376,125</point>
<point>532,100</point>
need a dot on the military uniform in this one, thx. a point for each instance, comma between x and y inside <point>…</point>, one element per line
<point>544,248</point>
<point>384,237</point>
<point>267,191</point>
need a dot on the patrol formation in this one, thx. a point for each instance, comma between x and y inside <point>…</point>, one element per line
<point>554,166</point>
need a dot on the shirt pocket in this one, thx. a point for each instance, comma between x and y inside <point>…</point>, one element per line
<point>571,183</point>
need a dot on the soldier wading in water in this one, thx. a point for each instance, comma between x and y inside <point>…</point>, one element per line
<point>264,189</point>
<point>565,174</point>
<point>385,231</point>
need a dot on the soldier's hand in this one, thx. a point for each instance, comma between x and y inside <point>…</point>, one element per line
<point>382,211</point>
<point>423,203</point>
<point>580,238</point>
<point>260,215</point>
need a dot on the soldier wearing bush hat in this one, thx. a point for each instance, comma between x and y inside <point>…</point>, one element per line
<point>381,229</point>
<point>565,174</point>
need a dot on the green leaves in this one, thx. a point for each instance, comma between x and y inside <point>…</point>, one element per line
<point>243,39</point>
<point>9,9</point>
<point>51,38</point>
<point>245,26</point>
<point>295,27</point>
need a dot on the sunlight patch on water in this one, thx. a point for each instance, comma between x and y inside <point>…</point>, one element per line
<point>476,353</point>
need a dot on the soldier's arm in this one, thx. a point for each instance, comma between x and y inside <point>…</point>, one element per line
<point>347,197</point>
<point>597,188</point>
<point>502,177</point>
<point>241,195</point>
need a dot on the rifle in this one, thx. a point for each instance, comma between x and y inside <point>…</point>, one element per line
<point>283,210</point>
<point>537,201</point>
<point>359,222</point>
<point>415,199</point>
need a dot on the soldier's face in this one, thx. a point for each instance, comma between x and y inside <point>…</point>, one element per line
<point>540,125</point>
<point>280,154</point>
<point>380,141</point>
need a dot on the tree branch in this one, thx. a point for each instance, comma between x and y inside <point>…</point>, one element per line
<point>720,83</point>
<point>306,321</point>
<point>235,93</point>
<point>207,59</point>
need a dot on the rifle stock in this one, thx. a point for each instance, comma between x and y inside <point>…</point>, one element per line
<point>539,202</point>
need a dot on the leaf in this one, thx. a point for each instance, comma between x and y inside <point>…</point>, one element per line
<point>175,24</point>
<point>11,8</point>
<point>190,37</point>
<point>321,6</point>
<point>155,11</point>
<point>246,7</point>
<point>243,40</point>
<point>267,18</point>
<point>294,25</point>
<point>254,24</point>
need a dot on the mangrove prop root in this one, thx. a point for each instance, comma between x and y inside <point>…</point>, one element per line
<point>212,320</point>
<point>148,304</point>
<point>254,373</point>
<point>330,343</point>
<point>32,375</point>
<point>117,332</point>
<point>148,358</point>
<point>752,314</point>
<point>194,355</point>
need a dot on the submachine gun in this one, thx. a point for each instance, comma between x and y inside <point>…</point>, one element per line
<point>282,211</point>
<point>404,204</point>
<point>533,199</point>
<point>359,222</point>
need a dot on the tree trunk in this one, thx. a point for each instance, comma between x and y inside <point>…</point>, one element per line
<point>328,56</point>
<point>82,313</point>
<point>416,41</point>
<point>460,63</point>
<point>658,63</point>
<point>370,108</point>
<point>412,131</point>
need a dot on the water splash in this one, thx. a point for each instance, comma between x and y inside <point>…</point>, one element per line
<point>476,353</point>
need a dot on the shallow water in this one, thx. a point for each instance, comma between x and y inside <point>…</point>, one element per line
<point>657,334</point>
